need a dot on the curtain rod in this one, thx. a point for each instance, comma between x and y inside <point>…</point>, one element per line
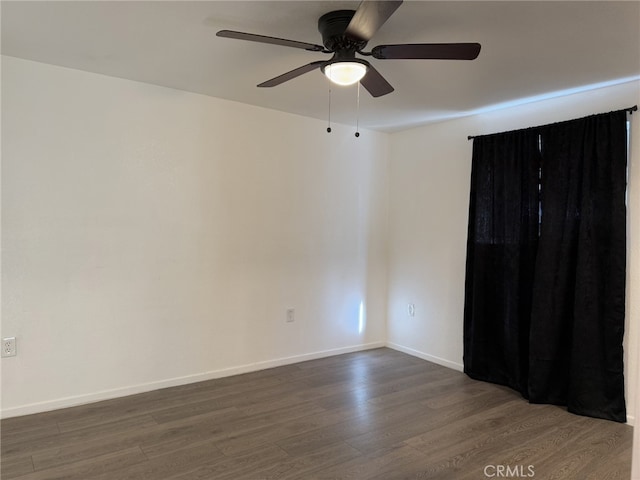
<point>630,110</point>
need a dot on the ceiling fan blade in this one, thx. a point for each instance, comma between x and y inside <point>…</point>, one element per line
<point>272,40</point>
<point>427,51</point>
<point>285,77</point>
<point>375,83</point>
<point>369,17</point>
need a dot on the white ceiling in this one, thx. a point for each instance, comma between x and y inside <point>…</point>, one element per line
<point>528,49</point>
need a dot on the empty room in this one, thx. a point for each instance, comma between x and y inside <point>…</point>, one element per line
<point>248,240</point>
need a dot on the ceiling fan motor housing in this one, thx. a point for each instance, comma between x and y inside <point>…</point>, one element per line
<point>333,26</point>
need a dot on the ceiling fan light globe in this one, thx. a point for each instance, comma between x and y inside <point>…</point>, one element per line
<point>345,73</point>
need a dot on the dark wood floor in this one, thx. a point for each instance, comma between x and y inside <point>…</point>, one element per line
<point>378,414</point>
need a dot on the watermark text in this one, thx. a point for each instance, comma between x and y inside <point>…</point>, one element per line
<point>509,471</point>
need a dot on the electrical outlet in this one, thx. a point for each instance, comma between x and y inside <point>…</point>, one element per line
<point>411,309</point>
<point>9,347</point>
<point>291,317</point>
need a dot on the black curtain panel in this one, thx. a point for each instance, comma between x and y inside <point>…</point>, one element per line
<point>577,322</point>
<point>501,248</point>
<point>545,279</point>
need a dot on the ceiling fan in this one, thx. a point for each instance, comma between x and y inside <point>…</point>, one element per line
<point>347,32</point>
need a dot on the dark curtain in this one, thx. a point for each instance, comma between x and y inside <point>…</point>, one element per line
<point>544,309</point>
<point>577,323</point>
<point>501,249</point>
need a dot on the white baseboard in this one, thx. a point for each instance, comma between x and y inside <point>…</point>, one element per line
<point>631,420</point>
<point>174,382</point>
<point>425,356</point>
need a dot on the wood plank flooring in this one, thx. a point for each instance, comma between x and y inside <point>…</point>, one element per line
<point>378,414</point>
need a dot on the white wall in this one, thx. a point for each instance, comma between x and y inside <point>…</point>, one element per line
<point>153,237</point>
<point>429,180</point>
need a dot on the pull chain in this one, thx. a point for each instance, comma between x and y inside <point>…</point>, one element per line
<point>329,121</point>
<point>358,112</point>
